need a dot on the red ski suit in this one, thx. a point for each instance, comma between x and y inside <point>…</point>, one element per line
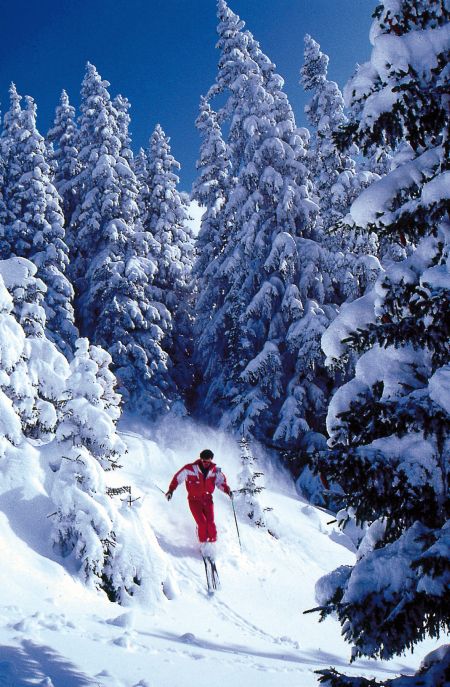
<point>200,489</point>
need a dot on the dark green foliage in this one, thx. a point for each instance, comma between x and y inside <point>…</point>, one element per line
<point>432,674</point>
<point>389,426</point>
<point>374,488</point>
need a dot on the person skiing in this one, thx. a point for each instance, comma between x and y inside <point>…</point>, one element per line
<point>201,478</point>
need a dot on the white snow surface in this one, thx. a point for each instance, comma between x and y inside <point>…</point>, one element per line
<point>439,387</point>
<point>378,197</point>
<point>195,212</point>
<point>416,48</point>
<point>56,631</point>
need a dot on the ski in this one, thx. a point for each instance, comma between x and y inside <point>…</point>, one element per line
<point>208,576</point>
<point>212,576</point>
<point>215,574</point>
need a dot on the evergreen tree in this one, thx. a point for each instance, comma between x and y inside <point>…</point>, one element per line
<point>3,211</point>
<point>34,224</point>
<point>260,283</point>
<point>334,173</point>
<point>9,140</point>
<point>111,399</point>
<point>389,424</point>
<point>250,487</point>
<point>14,385</point>
<point>37,385</point>
<point>132,328</point>
<point>88,445</point>
<point>210,190</point>
<point>117,303</point>
<point>122,105</point>
<point>63,137</point>
<point>96,222</point>
<point>140,168</point>
<point>169,392</point>
<point>105,541</point>
<point>83,522</point>
<point>149,244</point>
<point>167,217</point>
<point>166,221</point>
<point>87,417</point>
<point>336,180</point>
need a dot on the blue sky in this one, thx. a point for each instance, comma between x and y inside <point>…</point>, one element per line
<point>161,54</point>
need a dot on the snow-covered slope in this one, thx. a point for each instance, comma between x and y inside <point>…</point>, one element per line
<point>55,631</point>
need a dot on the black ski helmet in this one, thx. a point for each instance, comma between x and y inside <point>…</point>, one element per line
<point>206,454</point>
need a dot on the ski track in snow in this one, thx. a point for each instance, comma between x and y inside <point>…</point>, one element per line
<point>57,633</point>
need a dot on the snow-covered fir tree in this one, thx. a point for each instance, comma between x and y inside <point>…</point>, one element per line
<point>123,119</point>
<point>9,141</point>
<point>389,424</point>
<point>249,481</point>
<point>83,522</point>
<point>166,389</point>
<point>210,190</point>
<point>110,398</point>
<point>97,221</point>
<point>166,221</point>
<point>267,277</point>
<point>34,224</point>
<point>3,212</point>
<point>63,139</point>
<point>168,216</point>
<point>334,172</point>
<point>337,181</point>
<point>113,269</point>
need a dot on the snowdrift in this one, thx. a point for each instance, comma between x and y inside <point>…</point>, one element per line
<point>54,630</point>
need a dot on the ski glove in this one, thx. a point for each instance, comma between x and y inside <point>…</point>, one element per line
<point>169,495</point>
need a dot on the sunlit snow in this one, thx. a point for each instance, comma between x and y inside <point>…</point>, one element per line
<point>55,631</point>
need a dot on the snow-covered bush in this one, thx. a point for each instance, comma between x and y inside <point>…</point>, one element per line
<point>90,411</point>
<point>83,522</point>
<point>113,549</point>
<point>135,567</point>
<point>12,372</point>
<point>38,383</point>
<point>89,444</point>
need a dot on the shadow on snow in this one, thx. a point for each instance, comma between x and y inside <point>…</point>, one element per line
<point>22,666</point>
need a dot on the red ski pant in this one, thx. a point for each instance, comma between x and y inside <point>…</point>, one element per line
<point>203,511</point>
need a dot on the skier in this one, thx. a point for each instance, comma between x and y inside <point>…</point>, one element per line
<point>201,478</point>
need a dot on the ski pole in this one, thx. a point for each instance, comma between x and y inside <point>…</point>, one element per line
<point>157,487</point>
<point>235,520</point>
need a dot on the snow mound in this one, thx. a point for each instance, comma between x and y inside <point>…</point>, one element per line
<point>59,631</point>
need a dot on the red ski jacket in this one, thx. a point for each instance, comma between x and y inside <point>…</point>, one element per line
<point>196,484</point>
